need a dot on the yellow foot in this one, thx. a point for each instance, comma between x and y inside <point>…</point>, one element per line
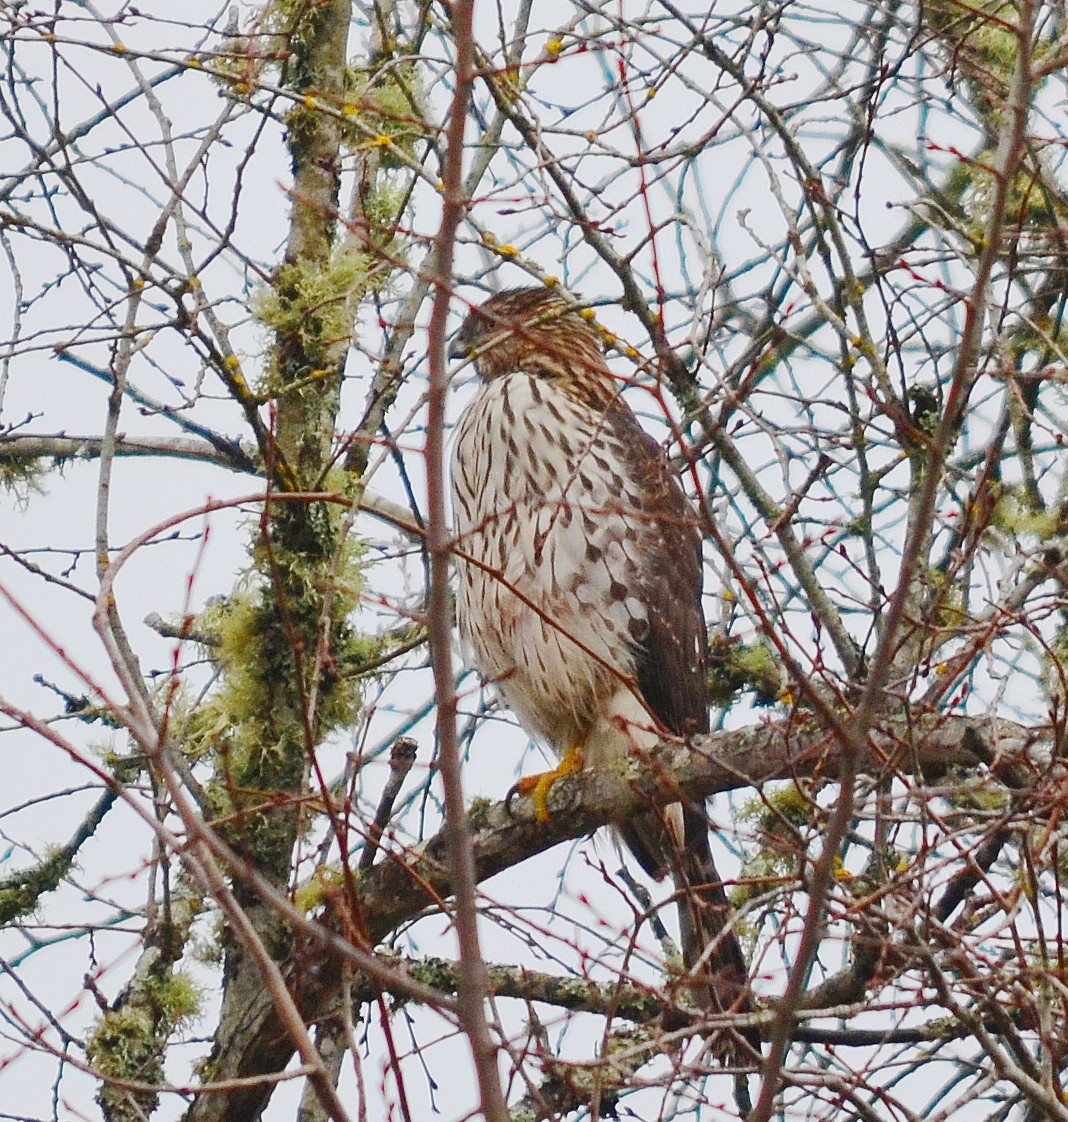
<point>539,786</point>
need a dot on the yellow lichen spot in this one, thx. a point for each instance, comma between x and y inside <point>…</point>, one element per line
<point>610,340</point>
<point>588,314</point>
<point>232,362</point>
<point>651,94</point>
<point>310,102</point>
<point>841,873</point>
<point>193,64</point>
<point>942,669</point>
<point>119,49</point>
<point>138,284</point>
<point>729,596</point>
<point>507,251</point>
<point>591,136</point>
<point>439,186</point>
<point>631,353</point>
<point>383,141</point>
<point>787,698</point>
<point>550,282</point>
<point>554,47</point>
<point>350,110</point>
<point>489,239</point>
<point>194,282</point>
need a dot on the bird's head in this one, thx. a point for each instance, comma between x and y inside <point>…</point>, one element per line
<point>533,330</point>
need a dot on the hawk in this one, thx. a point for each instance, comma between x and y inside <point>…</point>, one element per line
<point>580,574</point>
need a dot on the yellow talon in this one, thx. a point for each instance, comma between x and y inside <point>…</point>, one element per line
<point>539,786</point>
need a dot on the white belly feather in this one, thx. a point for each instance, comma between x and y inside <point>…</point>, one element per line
<point>547,551</point>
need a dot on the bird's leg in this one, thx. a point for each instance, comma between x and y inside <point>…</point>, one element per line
<point>539,786</point>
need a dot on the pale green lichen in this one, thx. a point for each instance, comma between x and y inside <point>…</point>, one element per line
<point>129,1042</point>
<point>735,667</point>
<point>22,477</point>
<point>1015,517</point>
<point>21,892</point>
<point>289,657</point>
<point>316,891</point>
<point>982,40</point>
<point>1055,670</point>
<point>316,303</point>
<point>978,792</point>
<point>1026,205</point>
<point>247,623</point>
<point>478,814</point>
<point>780,816</point>
<point>759,870</point>
<point>256,722</point>
<point>387,109</point>
<point>438,973</point>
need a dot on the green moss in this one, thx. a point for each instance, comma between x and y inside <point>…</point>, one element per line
<point>22,477</point>
<point>314,893</point>
<point>735,667</point>
<point>435,972</point>
<point>387,109</point>
<point>1055,669</point>
<point>478,813</point>
<point>264,641</point>
<point>21,892</point>
<point>1017,518</point>
<point>129,1041</point>
<point>979,793</point>
<point>780,817</point>
<point>316,304</point>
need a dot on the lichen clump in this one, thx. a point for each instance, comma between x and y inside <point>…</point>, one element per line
<point>129,1041</point>
<point>316,304</point>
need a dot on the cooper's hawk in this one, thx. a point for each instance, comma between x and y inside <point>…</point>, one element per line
<point>580,571</point>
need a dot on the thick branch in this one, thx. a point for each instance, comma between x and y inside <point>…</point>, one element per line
<point>399,888</point>
<point>403,885</point>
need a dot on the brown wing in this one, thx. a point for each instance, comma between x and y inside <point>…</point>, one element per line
<point>672,662</point>
<point>670,652</point>
<point>671,672</point>
<point>671,658</point>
